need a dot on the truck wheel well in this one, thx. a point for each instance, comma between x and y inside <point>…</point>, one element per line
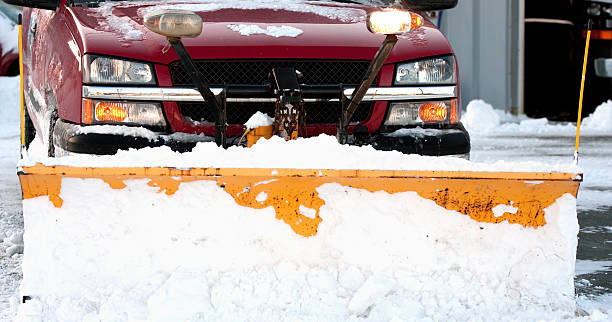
<point>13,69</point>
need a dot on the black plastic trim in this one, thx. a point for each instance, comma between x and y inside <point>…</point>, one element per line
<point>66,136</point>
<point>453,140</point>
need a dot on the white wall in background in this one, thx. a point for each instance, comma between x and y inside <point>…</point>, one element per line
<point>484,36</point>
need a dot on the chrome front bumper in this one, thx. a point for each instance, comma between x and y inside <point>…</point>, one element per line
<point>174,94</point>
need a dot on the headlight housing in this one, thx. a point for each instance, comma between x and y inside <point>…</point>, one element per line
<point>108,70</point>
<point>439,70</point>
<point>111,112</point>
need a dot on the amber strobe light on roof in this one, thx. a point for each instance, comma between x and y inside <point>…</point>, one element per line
<point>174,23</point>
<point>393,22</point>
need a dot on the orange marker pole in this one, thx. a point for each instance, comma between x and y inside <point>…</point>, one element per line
<point>584,66</point>
<point>21,91</point>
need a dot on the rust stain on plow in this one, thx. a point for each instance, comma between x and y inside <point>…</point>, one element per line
<point>471,193</point>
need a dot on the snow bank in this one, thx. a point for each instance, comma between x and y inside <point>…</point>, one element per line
<point>111,255</point>
<point>601,119</point>
<point>480,117</point>
<point>9,35</point>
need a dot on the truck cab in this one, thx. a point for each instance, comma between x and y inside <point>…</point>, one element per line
<point>96,80</point>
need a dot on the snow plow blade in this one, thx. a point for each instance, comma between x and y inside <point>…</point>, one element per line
<point>472,193</point>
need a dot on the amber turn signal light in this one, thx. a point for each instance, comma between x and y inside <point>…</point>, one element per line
<point>110,112</point>
<point>433,112</point>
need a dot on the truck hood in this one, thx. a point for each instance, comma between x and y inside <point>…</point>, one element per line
<point>233,29</point>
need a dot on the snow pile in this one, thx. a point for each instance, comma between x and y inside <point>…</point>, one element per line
<point>539,126</point>
<point>259,119</point>
<point>274,31</point>
<point>601,119</point>
<point>480,117</point>
<point>533,124</point>
<point>346,13</point>
<point>150,256</point>
<point>321,152</point>
<point>9,36</point>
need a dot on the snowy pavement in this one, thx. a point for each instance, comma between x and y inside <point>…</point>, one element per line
<point>11,221</point>
<point>513,141</point>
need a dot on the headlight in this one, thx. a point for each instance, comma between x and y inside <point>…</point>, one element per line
<point>106,70</point>
<point>109,112</point>
<point>412,113</point>
<point>439,70</point>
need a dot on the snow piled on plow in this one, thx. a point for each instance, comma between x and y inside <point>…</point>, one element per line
<point>197,255</point>
<point>322,152</point>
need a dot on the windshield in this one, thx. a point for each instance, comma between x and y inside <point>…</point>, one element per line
<point>368,2</point>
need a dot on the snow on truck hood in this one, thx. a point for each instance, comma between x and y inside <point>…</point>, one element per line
<point>308,29</point>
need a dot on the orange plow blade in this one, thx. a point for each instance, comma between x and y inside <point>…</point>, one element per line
<point>472,193</point>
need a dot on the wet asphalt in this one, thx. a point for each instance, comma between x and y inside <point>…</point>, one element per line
<point>595,250</point>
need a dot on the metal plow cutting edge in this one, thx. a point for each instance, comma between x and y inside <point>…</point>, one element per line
<point>471,193</point>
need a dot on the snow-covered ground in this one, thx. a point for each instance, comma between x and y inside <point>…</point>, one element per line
<point>11,222</point>
<point>273,275</point>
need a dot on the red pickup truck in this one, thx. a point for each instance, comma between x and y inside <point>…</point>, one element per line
<point>97,80</point>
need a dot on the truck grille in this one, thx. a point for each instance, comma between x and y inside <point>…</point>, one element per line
<point>218,73</point>
<point>239,113</point>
